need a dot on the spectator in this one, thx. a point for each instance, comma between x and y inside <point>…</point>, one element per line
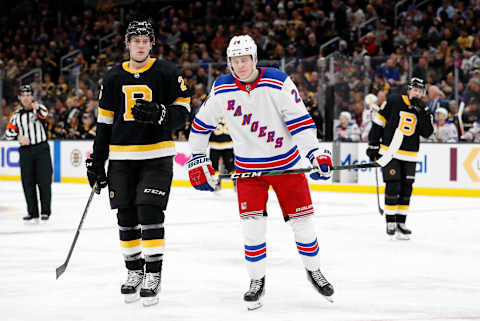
<point>347,130</point>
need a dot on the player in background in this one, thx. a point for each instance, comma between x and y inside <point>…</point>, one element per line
<point>410,115</point>
<point>221,148</point>
<point>270,129</point>
<point>372,103</point>
<point>444,131</point>
<point>347,130</point>
<point>141,102</point>
<point>473,134</point>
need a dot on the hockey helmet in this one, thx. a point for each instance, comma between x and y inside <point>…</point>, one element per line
<point>25,89</point>
<point>416,83</point>
<point>242,45</point>
<point>346,115</point>
<point>442,110</point>
<point>370,99</point>
<point>138,28</point>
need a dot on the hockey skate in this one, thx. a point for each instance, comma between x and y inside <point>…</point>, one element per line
<point>130,289</point>
<point>321,284</point>
<point>402,232</point>
<point>29,219</point>
<point>391,228</point>
<point>253,296</point>
<point>45,217</point>
<point>150,288</point>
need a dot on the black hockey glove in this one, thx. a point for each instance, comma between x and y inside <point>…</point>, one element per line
<point>96,173</point>
<point>420,106</point>
<point>373,152</point>
<point>149,112</point>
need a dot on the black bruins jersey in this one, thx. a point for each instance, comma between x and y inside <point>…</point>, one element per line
<point>220,138</point>
<point>119,136</point>
<point>398,112</point>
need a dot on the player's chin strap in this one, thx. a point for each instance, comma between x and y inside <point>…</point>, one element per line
<point>384,160</point>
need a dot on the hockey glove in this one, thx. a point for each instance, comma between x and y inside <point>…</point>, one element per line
<point>149,112</point>
<point>373,152</point>
<point>200,173</point>
<point>96,173</point>
<point>322,162</point>
<point>420,106</point>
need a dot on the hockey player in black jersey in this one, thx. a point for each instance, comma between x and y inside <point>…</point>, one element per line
<point>405,118</point>
<point>221,147</point>
<point>141,102</point>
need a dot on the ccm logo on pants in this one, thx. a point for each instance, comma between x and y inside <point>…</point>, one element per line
<point>153,191</point>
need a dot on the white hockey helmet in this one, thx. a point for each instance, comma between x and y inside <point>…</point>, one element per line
<point>370,99</point>
<point>346,114</point>
<point>242,45</point>
<point>442,110</point>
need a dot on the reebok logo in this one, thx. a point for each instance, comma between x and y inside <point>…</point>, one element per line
<point>154,191</point>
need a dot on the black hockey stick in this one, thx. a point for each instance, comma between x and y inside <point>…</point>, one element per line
<point>295,171</point>
<point>380,209</point>
<point>61,269</point>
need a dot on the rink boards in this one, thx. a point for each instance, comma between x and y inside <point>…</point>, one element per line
<point>442,169</point>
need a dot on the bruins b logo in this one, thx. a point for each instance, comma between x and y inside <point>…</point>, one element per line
<point>131,93</point>
<point>407,123</point>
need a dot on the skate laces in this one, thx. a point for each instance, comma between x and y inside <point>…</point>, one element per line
<point>319,278</point>
<point>134,277</point>
<point>255,286</point>
<point>151,281</point>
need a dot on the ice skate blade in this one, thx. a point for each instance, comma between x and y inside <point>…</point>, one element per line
<point>131,297</point>
<point>254,305</point>
<point>149,301</point>
<point>402,237</point>
<point>33,221</point>
<point>328,298</point>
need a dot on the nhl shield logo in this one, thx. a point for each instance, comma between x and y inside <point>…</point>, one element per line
<point>136,75</point>
<point>392,172</point>
<point>249,87</point>
<point>243,205</point>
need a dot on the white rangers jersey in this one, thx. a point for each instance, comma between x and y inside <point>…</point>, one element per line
<point>267,120</point>
<point>351,133</point>
<point>473,134</point>
<point>444,133</point>
<point>367,115</point>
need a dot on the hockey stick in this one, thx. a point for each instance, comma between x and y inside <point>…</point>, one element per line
<point>295,171</point>
<point>61,269</point>
<point>460,120</point>
<point>380,209</point>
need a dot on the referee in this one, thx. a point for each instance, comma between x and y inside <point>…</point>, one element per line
<point>28,126</point>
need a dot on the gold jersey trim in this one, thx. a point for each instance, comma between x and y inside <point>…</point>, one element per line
<point>141,148</point>
<point>406,100</point>
<point>126,66</point>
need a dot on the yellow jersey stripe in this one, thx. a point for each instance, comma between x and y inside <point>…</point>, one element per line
<point>153,243</point>
<point>183,100</point>
<point>141,148</point>
<point>391,207</point>
<point>406,100</point>
<point>129,244</point>
<point>381,118</point>
<point>403,207</point>
<point>105,112</point>
<point>400,151</point>
<point>126,67</point>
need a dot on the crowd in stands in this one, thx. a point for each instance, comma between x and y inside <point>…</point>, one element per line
<point>438,42</point>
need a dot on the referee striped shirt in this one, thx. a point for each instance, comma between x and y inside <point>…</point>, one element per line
<point>28,123</point>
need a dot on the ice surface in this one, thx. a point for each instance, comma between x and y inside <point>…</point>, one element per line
<point>434,276</point>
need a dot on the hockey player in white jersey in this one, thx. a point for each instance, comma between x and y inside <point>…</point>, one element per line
<point>347,130</point>
<point>270,129</point>
<point>444,131</point>
<point>473,134</point>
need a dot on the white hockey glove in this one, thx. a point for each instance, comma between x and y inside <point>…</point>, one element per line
<point>321,161</point>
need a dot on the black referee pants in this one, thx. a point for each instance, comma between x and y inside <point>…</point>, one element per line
<point>36,169</point>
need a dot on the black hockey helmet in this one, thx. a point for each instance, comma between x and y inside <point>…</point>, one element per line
<point>25,89</point>
<point>416,83</point>
<point>137,28</point>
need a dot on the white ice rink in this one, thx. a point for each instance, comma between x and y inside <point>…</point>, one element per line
<point>434,276</point>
